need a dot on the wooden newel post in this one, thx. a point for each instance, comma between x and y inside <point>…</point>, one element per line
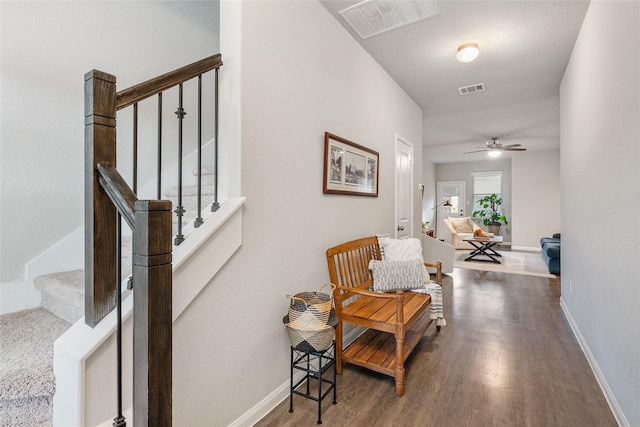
<point>100,214</point>
<point>152,316</point>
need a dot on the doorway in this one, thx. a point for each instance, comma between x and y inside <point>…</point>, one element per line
<point>404,184</point>
<point>454,193</point>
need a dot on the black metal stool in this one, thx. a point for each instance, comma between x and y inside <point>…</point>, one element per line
<point>314,364</point>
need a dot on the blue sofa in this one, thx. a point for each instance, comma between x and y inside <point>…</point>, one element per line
<point>551,253</point>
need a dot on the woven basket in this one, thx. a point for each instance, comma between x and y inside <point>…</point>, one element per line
<point>310,311</point>
<point>310,341</point>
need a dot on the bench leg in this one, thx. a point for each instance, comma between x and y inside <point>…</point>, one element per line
<point>339,348</point>
<point>400,382</point>
<point>399,377</point>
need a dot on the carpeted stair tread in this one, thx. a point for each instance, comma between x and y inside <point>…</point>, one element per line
<point>208,174</point>
<point>62,294</point>
<point>27,382</point>
<point>207,189</point>
<point>29,412</point>
<point>26,339</point>
<point>66,284</point>
<point>188,190</point>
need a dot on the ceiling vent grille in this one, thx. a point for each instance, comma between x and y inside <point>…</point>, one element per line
<point>466,90</point>
<point>372,17</point>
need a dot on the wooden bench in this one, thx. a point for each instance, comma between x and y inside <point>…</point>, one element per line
<point>396,321</point>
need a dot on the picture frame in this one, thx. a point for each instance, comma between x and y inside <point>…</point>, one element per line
<point>349,168</point>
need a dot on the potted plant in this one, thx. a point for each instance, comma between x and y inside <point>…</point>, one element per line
<point>490,215</point>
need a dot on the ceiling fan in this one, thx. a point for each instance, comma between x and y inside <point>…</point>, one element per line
<point>494,147</point>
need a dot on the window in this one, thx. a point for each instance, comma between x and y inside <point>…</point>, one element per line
<point>485,184</point>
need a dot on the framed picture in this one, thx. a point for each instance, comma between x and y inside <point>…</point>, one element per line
<point>349,168</point>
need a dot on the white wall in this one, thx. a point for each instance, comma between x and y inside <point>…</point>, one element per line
<point>47,47</point>
<point>535,198</point>
<point>600,106</point>
<point>302,74</point>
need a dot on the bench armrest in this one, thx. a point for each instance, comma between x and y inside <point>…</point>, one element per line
<point>438,267</point>
<point>365,292</point>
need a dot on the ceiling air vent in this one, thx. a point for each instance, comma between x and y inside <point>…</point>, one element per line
<point>372,17</point>
<point>466,90</point>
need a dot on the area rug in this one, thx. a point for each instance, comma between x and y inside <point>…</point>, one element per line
<point>527,263</point>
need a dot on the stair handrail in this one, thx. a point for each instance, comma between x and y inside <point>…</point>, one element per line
<point>119,192</point>
<point>144,90</point>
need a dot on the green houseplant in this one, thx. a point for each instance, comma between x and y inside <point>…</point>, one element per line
<point>490,215</point>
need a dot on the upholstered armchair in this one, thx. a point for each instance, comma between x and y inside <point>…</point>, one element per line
<point>434,250</point>
<point>458,228</point>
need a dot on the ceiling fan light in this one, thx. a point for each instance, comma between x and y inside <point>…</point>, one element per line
<point>468,52</point>
<point>494,153</point>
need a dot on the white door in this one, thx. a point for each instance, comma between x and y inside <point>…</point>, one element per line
<point>454,193</point>
<point>404,184</point>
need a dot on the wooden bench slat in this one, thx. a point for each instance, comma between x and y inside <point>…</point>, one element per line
<point>366,306</point>
<point>374,343</point>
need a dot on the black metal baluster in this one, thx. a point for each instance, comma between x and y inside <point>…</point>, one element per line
<point>135,148</point>
<point>215,205</point>
<point>180,209</point>
<point>159,172</point>
<point>198,221</point>
<point>120,420</point>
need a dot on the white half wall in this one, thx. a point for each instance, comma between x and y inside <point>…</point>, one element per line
<point>600,134</point>
<point>535,198</point>
<point>301,74</point>
<point>85,358</point>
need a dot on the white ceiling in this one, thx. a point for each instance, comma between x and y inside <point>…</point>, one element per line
<point>524,49</point>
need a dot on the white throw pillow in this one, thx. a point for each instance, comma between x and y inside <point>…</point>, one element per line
<point>403,250</point>
<point>462,225</point>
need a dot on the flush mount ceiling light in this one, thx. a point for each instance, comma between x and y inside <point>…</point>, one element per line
<point>468,52</point>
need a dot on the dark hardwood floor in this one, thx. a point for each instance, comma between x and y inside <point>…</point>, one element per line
<point>507,357</point>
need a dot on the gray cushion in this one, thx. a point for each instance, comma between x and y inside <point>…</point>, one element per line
<point>552,250</point>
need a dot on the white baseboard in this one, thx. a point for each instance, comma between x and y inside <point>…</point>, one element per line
<point>526,248</point>
<point>281,393</point>
<point>266,405</point>
<point>602,381</point>
<point>13,297</point>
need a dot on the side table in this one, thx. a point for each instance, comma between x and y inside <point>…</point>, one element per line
<point>314,365</point>
<point>429,232</point>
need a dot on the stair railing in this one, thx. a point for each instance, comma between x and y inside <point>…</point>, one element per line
<point>156,87</point>
<point>108,199</point>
